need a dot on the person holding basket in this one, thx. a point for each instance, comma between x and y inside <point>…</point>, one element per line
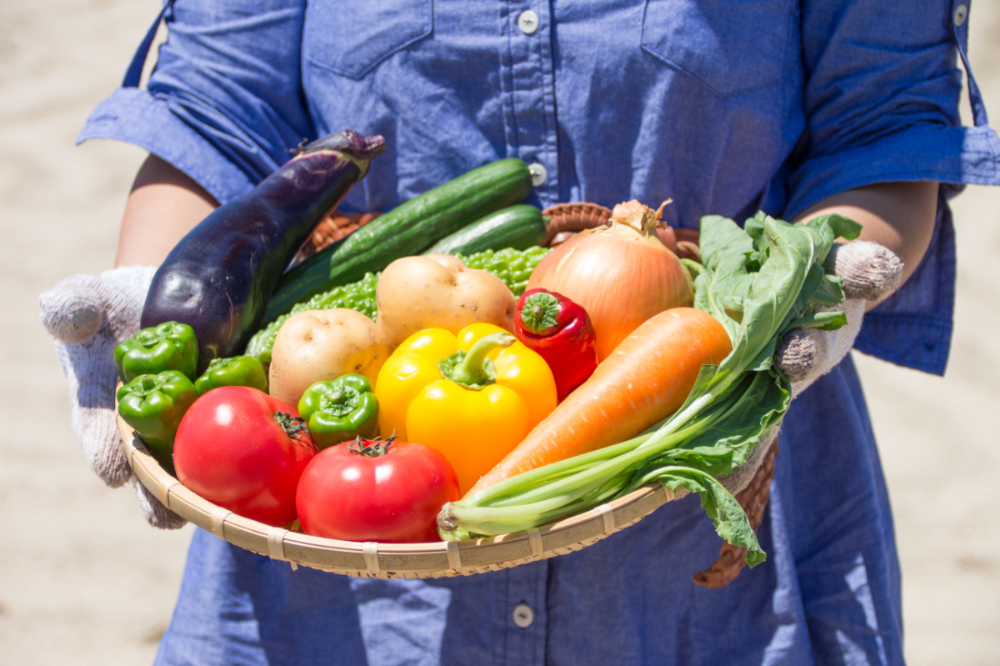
<point>796,107</point>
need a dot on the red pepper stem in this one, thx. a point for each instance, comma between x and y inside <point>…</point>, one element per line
<point>470,370</point>
<point>540,313</point>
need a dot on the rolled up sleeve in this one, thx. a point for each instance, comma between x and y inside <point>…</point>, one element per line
<point>224,101</point>
<point>881,100</point>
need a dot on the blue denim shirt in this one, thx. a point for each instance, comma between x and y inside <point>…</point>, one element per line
<point>726,106</point>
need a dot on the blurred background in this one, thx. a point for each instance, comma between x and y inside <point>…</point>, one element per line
<point>84,580</point>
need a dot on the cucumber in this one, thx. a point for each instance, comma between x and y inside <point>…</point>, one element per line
<point>519,227</point>
<point>408,229</point>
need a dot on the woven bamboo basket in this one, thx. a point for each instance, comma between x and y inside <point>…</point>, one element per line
<point>385,560</point>
<point>453,558</point>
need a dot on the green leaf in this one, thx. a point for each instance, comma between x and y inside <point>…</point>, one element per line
<point>722,288</point>
<point>843,227</point>
<point>722,243</point>
<point>731,522</point>
<point>722,296</point>
<point>765,359</point>
<point>754,228</point>
<point>806,302</point>
<point>750,409</point>
<point>824,321</point>
<point>829,293</point>
<point>774,292</point>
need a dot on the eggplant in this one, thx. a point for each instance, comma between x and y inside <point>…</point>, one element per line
<point>220,275</point>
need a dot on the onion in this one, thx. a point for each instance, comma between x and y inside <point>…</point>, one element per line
<point>622,274</point>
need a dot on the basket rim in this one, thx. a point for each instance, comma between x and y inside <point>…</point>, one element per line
<point>392,560</point>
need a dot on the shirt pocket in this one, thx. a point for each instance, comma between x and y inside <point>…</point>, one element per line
<point>350,37</point>
<point>729,46</point>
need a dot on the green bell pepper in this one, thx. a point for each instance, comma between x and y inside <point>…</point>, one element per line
<point>340,410</point>
<point>167,346</point>
<point>232,371</point>
<point>154,405</point>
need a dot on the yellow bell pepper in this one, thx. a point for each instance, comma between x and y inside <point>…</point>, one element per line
<point>438,389</point>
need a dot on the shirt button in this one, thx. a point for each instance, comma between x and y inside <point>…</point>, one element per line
<point>523,616</point>
<point>528,22</point>
<point>961,13</point>
<point>538,174</point>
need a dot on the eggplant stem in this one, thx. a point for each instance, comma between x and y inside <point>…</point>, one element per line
<point>359,148</point>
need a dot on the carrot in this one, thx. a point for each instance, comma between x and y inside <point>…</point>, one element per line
<point>646,379</point>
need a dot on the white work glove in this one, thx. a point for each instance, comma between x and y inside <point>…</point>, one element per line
<point>869,273</point>
<point>87,316</point>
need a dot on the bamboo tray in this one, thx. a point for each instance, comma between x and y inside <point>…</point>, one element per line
<point>384,560</point>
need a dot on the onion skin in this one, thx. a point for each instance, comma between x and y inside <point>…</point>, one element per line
<point>622,275</point>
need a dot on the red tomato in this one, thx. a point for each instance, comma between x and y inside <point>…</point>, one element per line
<point>240,448</point>
<point>352,492</point>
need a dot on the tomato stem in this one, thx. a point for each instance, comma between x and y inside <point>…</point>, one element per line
<point>371,448</point>
<point>293,426</point>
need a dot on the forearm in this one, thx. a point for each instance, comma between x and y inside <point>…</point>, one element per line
<point>163,206</point>
<point>898,215</point>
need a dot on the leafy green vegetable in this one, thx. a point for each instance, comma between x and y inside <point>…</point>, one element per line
<point>759,282</point>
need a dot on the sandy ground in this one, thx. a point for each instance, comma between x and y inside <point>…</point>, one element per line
<point>83,580</point>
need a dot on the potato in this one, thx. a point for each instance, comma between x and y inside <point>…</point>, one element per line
<point>320,345</point>
<point>438,291</point>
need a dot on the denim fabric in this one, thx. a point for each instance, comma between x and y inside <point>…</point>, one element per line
<point>726,106</point>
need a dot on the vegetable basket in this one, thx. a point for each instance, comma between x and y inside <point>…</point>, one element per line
<point>451,558</point>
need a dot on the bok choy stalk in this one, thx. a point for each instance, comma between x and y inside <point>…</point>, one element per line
<point>760,282</point>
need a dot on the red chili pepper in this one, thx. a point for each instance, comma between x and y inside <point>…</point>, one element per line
<point>561,332</point>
